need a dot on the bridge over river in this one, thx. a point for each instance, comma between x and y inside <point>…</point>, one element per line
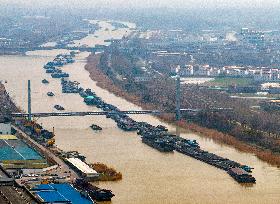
<point>26,49</point>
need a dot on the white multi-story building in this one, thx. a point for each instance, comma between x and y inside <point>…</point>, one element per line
<point>274,75</point>
<point>251,72</point>
<point>257,75</point>
<point>202,71</point>
<point>186,71</point>
<point>214,71</point>
<point>266,76</point>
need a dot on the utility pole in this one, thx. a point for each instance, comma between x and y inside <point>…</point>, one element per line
<point>29,100</point>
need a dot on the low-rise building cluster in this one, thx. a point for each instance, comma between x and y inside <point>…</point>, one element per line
<point>257,73</point>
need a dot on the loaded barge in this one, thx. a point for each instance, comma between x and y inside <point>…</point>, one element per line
<point>241,175</point>
<point>94,192</point>
<point>158,144</point>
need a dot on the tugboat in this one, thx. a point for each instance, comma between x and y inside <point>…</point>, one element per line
<point>50,93</point>
<point>193,143</point>
<point>44,81</point>
<point>95,127</point>
<point>58,107</point>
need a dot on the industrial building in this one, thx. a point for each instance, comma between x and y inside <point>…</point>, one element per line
<point>82,168</point>
<point>14,153</point>
<point>60,193</point>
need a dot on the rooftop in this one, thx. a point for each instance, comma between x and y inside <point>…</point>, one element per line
<point>8,137</point>
<point>239,171</point>
<point>83,167</point>
<point>60,193</point>
<point>14,149</point>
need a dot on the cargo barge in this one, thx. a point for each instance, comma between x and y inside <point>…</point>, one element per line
<point>94,192</point>
<point>158,144</point>
<point>241,176</point>
<point>69,86</point>
<point>59,75</point>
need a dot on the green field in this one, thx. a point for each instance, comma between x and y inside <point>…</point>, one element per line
<point>226,81</point>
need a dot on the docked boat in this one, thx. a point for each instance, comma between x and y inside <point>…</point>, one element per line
<point>70,60</point>
<point>126,127</point>
<point>91,100</point>
<point>158,144</point>
<point>162,128</point>
<point>241,176</point>
<point>58,107</point>
<point>59,75</point>
<point>89,92</point>
<point>48,71</point>
<point>69,86</point>
<point>49,66</point>
<point>50,93</point>
<point>94,192</point>
<point>44,81</point>
<point>95,127</point>
<point>246,168</point>
<point>47,134</point>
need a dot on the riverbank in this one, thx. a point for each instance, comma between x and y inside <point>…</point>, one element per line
<point>105,82</point>
<point>6,104</point>
<point>57,170</point>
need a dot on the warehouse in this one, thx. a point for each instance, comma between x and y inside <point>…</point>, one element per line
<point>60,193</point>
<point>14,153</point>
<point>82,168</point>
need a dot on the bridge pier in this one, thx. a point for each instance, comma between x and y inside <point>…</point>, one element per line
<point>29,101</point>
<point>178,98</point>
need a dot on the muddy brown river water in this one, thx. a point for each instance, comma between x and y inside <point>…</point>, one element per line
<point>149,176</point>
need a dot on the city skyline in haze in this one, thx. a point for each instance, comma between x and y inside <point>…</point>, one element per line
<point>146,4</point>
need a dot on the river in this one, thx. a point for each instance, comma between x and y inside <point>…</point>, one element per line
<point>149,177</point>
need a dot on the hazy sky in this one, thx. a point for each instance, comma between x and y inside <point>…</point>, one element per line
<point>148,3</point>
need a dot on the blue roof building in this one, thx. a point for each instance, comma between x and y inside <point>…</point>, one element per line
<point>60,193</point>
